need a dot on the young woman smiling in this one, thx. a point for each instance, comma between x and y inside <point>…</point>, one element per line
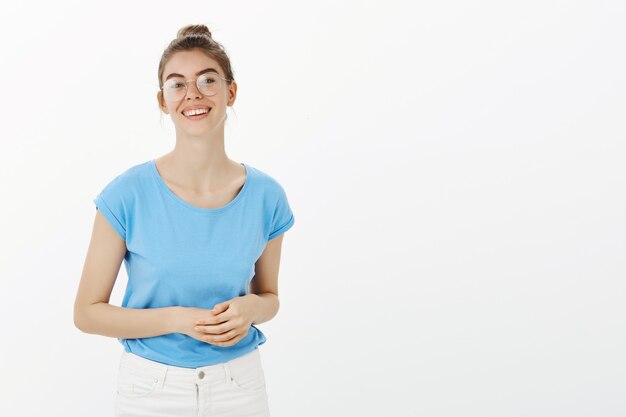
<point>200,236</point>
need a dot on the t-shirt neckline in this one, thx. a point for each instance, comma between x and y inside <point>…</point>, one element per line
<point>197,209</point>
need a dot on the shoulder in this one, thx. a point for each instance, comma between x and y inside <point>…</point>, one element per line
<point>269,185</point>
<point>127,183</point>
<point>129,176</point>
<point>277,212</point>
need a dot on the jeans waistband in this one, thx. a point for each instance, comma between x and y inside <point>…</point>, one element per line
<point>140,365</point>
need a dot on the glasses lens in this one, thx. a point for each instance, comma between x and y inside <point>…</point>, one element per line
<point>209,84</point>
<point>175,88</point>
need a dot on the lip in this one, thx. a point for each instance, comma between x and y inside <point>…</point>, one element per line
<point>194,107</point>
<point>198,117</point>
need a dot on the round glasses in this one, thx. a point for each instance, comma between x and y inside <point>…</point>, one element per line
<point>175,88</point>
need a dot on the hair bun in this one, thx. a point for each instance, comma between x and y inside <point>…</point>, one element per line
<point>194,30</point>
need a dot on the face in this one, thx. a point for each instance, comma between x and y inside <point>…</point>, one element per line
<point>188,64</point>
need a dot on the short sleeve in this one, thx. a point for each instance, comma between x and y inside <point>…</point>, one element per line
<point>283,218</point>
<point>110,202</point>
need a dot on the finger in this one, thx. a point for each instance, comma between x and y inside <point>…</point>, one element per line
<point>230,342</point>
<point>218,308</point>
<point>214,329</point>
<point>224,337</point>
<point>214,320</point>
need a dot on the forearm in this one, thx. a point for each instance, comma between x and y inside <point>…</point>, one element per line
<point>267,307</point>
<point>128,323</point>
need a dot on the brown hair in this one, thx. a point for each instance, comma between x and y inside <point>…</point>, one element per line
<point>196,37</point>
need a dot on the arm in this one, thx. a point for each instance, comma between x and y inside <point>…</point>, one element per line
<point>92,311</point>
<point>128,323</point>
<point>264,285</point>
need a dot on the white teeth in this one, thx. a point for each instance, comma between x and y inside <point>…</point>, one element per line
<point>194,112</point>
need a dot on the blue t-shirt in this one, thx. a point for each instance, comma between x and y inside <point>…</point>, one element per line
<point>179,254</point>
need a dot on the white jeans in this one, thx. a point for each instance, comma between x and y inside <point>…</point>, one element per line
<point>235,388</point>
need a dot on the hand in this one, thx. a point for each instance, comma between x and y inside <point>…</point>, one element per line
<point>229,321</point>
<point>184,319</point>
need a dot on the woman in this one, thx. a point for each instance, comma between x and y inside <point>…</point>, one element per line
<point>200,236</point>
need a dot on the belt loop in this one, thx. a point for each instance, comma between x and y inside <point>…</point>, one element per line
<point>121,360</point>
<point>162,375</point>
<point>226,372</point>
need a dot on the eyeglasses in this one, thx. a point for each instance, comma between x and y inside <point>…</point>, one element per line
<point>175,88</point>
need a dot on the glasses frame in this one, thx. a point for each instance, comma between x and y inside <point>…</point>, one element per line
<point>186,82</point>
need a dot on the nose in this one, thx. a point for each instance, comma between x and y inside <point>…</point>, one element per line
<point>192,90</point>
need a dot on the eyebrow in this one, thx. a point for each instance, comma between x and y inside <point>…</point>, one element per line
<point>197,73</point>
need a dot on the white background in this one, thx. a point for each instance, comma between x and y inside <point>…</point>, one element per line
<point>456,171</point>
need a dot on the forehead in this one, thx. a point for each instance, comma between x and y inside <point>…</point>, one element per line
<point>188,63</point>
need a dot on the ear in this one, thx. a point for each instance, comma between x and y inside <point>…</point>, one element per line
<point>232,93</point>
<point>162,105</point>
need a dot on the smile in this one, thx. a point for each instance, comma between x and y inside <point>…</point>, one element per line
<point>198,116</point>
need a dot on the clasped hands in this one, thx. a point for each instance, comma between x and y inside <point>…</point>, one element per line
<point>225,325</point>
